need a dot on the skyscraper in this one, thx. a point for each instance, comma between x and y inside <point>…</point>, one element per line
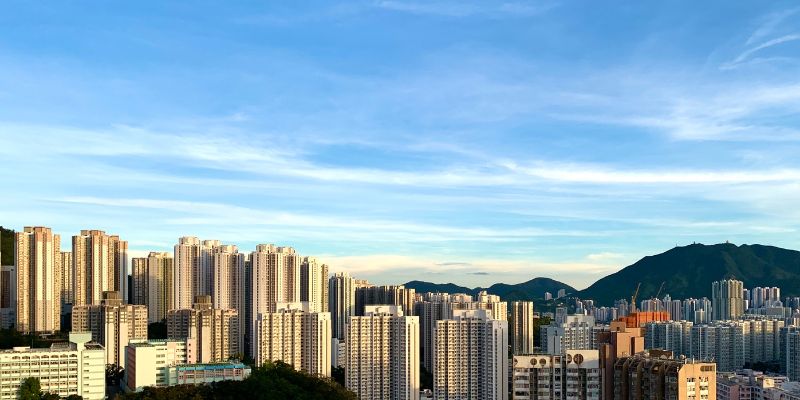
<point>67,277</point>
<point>341,302</point>
<point>193,274</point>
<point>101,265</point>
<point>152,284</point>
<point>470,357</point>
<point>382,354</point>
<point>228,279</point>
<point>295,335</point>
<point>727,299</point>
<point>216,331</point>
<point>274,277</point>
<point>112,323</point>
<point>314,284</point>
<point>367,294</point>
<point>521,327</point>
<point>38,281</point>
<point>186,266</point>
<point>652,377</point>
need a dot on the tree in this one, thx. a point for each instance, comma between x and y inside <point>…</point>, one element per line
<point>337,373</point>
<point>74,397</point>
<point>114,374</point>
<point>30,389</point>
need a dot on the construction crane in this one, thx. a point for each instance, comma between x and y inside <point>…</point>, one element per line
<point>633,298</point>
<point>660,289</point>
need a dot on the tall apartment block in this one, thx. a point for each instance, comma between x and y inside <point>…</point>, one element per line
<point>65,369</point>
<point>112,324</point>
<point>619,341</point>
<point>574,332</point>
<point>152,284</point>
<point>674,336</point>
<point>470,357</point>
<point>295,335</point>
<point>216,331</point>
<point>38,281</point>
<point>67,279</point>
<point>399,295</point>
<point>574,375</point>
<point>727,299</point>
<point>791,355</point>
<point>341,302</point>
<point>382,354</point>
<point>228,286</point>
<point>653,377</point>
<point>273,277</point>
<point>314,284</point>
<point>193,273</point>
<point>432,307</point>
<point>101,265</point>
<point>521,323</point>
<point>8,296</point>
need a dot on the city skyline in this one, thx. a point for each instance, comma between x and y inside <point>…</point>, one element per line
<point>461,142</point>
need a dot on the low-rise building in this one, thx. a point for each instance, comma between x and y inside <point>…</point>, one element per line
<point>74,368</point>
<point>575,375</point>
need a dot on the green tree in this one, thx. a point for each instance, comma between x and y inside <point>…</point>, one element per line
<point>337,373</point>
<point>114,374</point>
<point>30,389</point>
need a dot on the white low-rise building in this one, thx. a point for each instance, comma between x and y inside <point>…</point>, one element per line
<point>74,368</point>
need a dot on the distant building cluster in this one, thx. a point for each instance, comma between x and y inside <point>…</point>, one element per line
<point>221,307</point>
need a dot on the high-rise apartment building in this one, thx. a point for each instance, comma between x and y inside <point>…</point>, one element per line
<point>791,353</point>
<point>727,299</point>
<point>314,284</point>
<point>8,296</point>
<point>112,324</point>
<point>273,277</point>
<point>652,377</point>
<point>674,336</point>
<point>341,302</point>
<point>470,357</point>
<point>193,273</point>
<point>574,333</point>
<point>295,335</point>
<point>432,307</point>
<point>215,330</point>
<point>382,354</point>
<point>521,323</point>
<point>67,278</point>
<point>75,368</point>
<point>574,375</point>
<point>367,294</point>
<point>101,265</point>
<point>38,281</point>
<point>152,284</point>
<point>619,341</point>
<point>228,278</point>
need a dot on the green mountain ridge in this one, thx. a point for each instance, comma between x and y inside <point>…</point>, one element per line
<point>526,291</point>
<point>686,271</point>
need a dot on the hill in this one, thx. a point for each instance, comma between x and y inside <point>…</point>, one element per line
<point>528,291</point>
<point>689,270</point>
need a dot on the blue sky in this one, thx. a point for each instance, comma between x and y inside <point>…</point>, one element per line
<point>451,141</point>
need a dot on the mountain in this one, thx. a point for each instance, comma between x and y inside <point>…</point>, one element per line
<point>527,291</point>
<point>689,270</point>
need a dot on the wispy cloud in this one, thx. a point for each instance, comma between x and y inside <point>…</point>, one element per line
<point>462,9</point>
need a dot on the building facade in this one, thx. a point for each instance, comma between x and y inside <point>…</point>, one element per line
<point>74,368</point>
<point>470,357</point>
<point>112,324</point>
<point>727,299</point>
<point>382,354</point>
<point>295,335</point>
<point>215,330</point>
<point>644,377</point>
<point>574,375</point>
<point>341,302</point>
<point>38,280</point>
<point>100,263</point>
<point>521,324</point>
<point>152,284</point>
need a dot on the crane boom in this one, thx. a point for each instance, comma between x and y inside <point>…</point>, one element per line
<point>633,298</point>
<point>660,289</point>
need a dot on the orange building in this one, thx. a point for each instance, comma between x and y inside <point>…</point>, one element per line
<point>638,319</point>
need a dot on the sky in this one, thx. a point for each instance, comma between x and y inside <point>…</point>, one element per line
<point>471,142</point>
